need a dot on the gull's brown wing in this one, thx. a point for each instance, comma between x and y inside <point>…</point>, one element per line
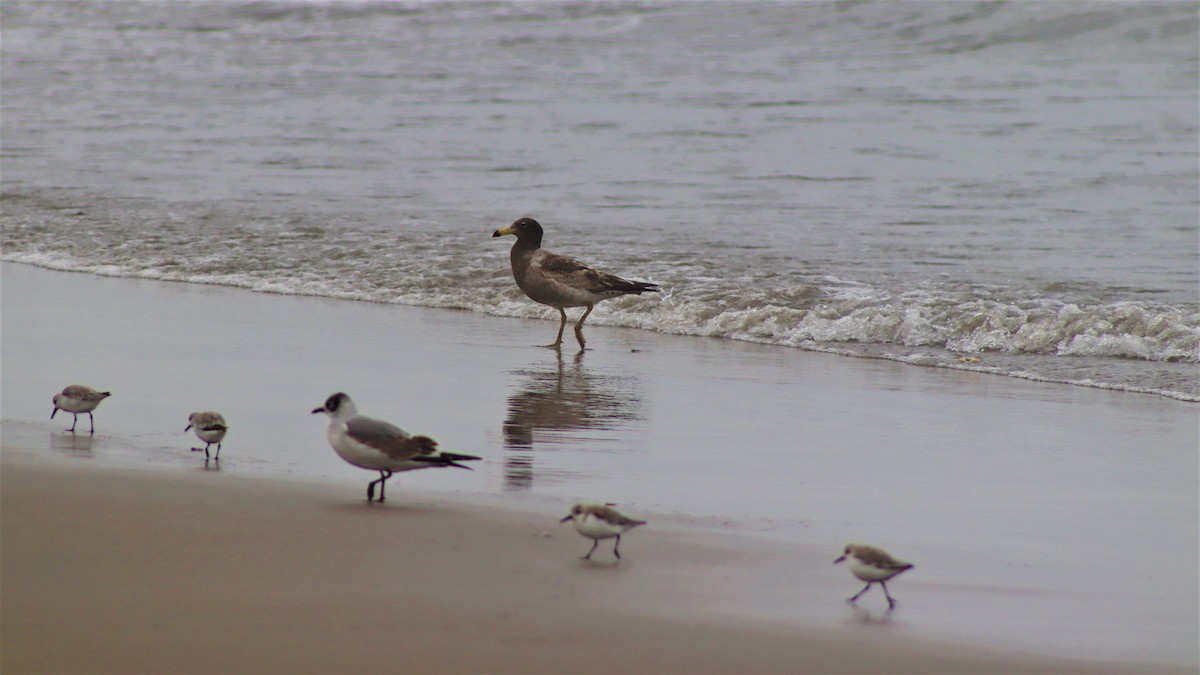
<point>571,272</point>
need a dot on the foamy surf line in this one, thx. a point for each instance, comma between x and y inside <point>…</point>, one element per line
<point>778,326</point>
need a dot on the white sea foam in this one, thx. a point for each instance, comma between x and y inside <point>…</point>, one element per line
<point>864,326</point>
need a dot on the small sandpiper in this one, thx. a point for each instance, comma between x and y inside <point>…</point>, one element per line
<point>209,427</point>
<point>77,399</point>
<point>874,566</point>
<point>600,521</point>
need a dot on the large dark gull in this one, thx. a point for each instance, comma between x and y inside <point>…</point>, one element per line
<point>559,281</point>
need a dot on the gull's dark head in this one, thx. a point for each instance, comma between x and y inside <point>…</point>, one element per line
<point>338,403</point>
<point>525,229</point>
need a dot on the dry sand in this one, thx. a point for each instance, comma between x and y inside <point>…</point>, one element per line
<point>138,571</point>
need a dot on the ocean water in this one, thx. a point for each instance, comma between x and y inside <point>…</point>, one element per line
<point>1003,187</point>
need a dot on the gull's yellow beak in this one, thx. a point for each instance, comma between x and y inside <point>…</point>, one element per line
<point>503,231</point>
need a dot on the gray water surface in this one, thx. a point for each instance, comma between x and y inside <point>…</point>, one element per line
<point>927,182</point>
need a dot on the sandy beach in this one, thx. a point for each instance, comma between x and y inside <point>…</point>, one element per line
<point>123,553</point>
<point>133,572</point>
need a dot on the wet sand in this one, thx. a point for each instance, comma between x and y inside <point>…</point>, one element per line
<point>754,465</point>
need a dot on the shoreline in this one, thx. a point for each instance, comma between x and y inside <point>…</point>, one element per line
<point>310,582</point>
<point>994,487</point>
<point>916,356</point>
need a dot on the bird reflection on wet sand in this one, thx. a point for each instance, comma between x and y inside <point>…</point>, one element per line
<point>866,617</point>
<point>554,405</point>
<point>73,443</point>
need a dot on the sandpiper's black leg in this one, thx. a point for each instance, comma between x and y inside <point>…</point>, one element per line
<point>595,543</point>
<point>206,450</point>
<point>218,457</point>
<point>74,421</point>
<point>891,602</point>
<point>93,419</point>
<point>371,491</point>
<point>864,590</point>
<point>617,546</point>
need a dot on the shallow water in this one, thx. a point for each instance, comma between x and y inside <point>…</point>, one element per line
<point>919,182</point>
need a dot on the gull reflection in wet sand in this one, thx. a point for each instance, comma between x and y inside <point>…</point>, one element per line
<point>553,404</point>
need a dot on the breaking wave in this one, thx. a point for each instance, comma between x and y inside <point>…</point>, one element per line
<point>1027,333</point>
